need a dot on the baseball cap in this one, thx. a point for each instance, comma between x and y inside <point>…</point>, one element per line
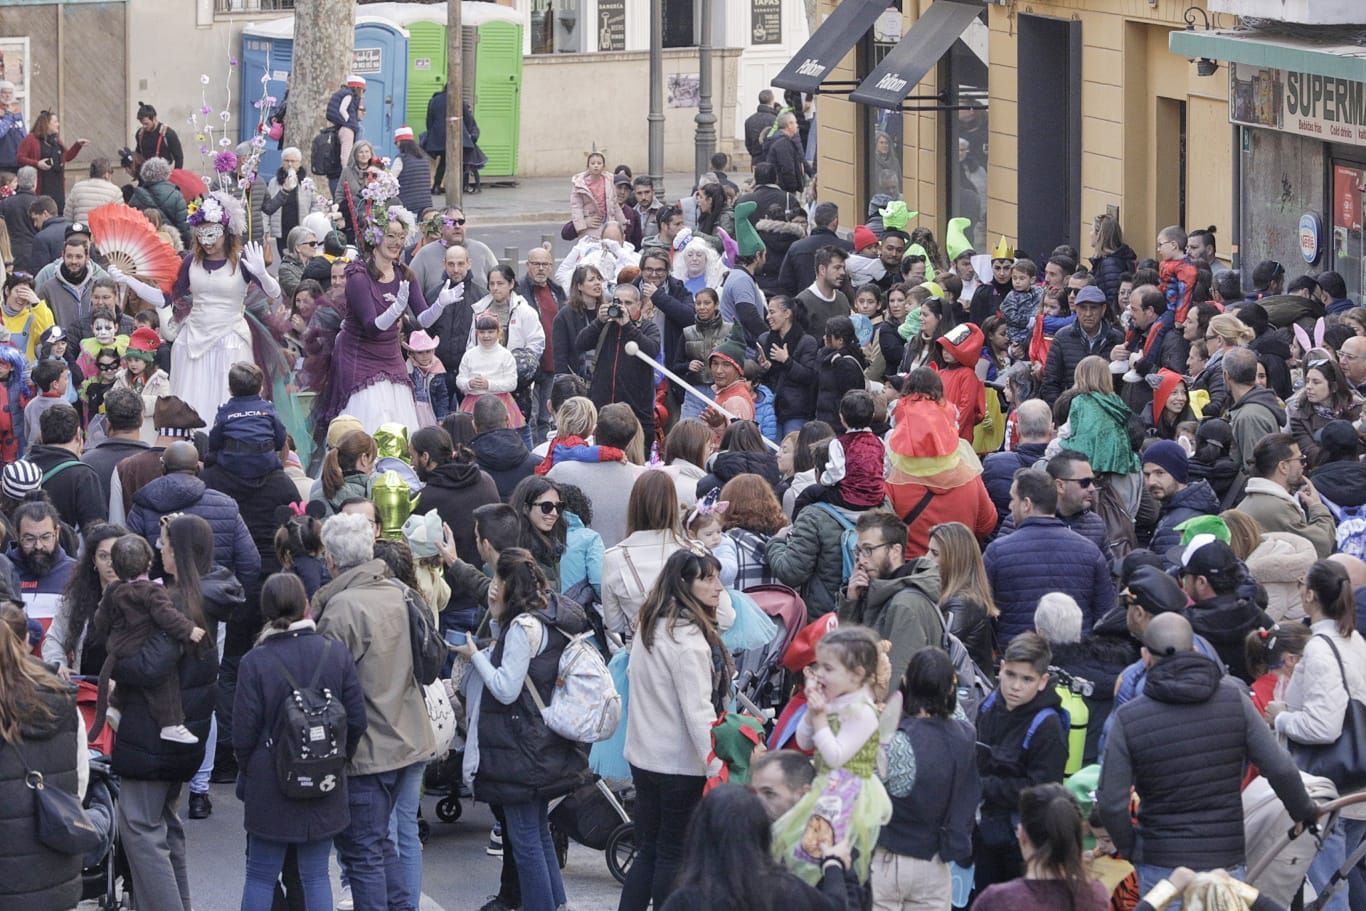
<point>1089,295</point>
<point>1206,555</point>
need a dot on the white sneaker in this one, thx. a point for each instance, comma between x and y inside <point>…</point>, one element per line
<point>112,717</point>
<point>345,903</point>
<point>178,733</point>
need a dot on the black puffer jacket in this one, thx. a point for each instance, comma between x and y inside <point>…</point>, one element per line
<point>520,759</point>
<point>1195,499</point>
<point>1098,659</point>
<point>33,877</point>
<point>505,457</point>
<point>139,751</point>
<point>726,465</point>
<point>969,621</point>
<point>794,380</point>
<point>1224,621</point>
<point>1070,346</point>
<point>1108,268</point>
<point>838,370</point>
<point>1183,745</point>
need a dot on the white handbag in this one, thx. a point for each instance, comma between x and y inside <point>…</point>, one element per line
<point>441,716</point>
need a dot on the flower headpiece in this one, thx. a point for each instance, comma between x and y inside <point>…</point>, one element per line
<point>218,208</point>
<point>381,206</point>
<point>710,505</point>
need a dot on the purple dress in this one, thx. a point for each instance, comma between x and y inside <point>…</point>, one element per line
<point>369,376</point>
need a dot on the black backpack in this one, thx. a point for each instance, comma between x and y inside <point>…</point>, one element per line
<point>429,648</point>
<point>325,155</point>
<point>309,740</point>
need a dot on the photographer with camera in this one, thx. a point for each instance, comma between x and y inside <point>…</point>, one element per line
<point>619,376</point>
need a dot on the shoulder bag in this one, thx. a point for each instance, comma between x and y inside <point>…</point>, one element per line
<point>61,821</point>
<point>1344,760</point>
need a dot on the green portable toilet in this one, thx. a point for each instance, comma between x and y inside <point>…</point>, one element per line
<point>497,53</point>
<point>426,69</point>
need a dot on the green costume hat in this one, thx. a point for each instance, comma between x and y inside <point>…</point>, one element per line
<point>956,240</point>
<point>746,238</point>
<point>896,215</point>
<point>915,251</point>
<point>1204,525</point>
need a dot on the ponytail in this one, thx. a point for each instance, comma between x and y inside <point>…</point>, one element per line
<point>342,460</point>
<point>1052,820</point>
<point>524,583</point>
<point>1332,588</point>
<point>283,601</point>
<point>332,477</point>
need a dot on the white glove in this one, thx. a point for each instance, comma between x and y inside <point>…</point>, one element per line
<point>450,294</point>
<point>255,260</point>
<point>398,303</point>
<point>146,292</point>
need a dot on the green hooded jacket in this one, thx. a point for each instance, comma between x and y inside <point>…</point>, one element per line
<point>1100,429</point>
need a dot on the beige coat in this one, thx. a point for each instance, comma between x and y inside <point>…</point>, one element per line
<point>1275,509</point>
<point>1278,564</point>
<point>363,609</point>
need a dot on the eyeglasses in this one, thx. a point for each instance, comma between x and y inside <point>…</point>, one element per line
<point>548,506</point>
<point>867,550</point>
<point>1299,458</point>
<point>653,270</point>
<point>45,538</point>
<point>540,265</point>
<point>1083,483</point>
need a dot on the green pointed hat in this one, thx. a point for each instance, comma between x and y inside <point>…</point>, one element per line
<point>915,251</point>
<point>956,241</point>
<point>896,215</point>
<point>746,238</point>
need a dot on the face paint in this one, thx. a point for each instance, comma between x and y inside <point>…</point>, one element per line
<point>104,332</point>
<point>208,235</point>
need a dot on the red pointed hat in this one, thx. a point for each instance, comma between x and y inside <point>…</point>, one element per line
<point>143,343</point>
<point>924,446</point>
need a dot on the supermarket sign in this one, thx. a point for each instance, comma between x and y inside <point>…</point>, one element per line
<point>1324,107</point>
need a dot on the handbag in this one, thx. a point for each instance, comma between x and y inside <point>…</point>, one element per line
<point>1344,760</point>
<point>61,821</point>
<point>441,715</point>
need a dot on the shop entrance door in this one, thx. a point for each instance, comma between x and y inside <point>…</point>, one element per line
<point>1050,136</point>
<point>1347,256</point>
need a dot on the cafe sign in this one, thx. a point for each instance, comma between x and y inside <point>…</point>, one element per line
<point>1324,107</point>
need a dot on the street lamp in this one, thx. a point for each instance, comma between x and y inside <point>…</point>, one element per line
<point>705,119</point>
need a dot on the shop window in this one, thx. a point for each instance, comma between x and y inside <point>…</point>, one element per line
<point>882,128</point>
<point>557,27</point>
<point>681,23</point>
<point>1348,254</point>
<point>963,74</point>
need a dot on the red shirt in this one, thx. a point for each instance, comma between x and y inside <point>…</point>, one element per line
<point>544,299</point>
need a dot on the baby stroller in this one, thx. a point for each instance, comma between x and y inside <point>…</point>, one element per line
<point>760,677</point>
<point>1281,859</point>
<point>596,817</point>
<point>100,874</point>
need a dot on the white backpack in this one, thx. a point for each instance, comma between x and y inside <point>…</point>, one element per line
<point>585,706</point>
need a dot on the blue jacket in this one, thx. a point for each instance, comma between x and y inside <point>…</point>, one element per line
<point>247,436</point>
<point>582,557</point>
<point>1196,499</point>
<point>12,132</point>
<point>998,472</point>
<point>261,691</point>
<point>1043,555</point>
<point>180,492</point>
<point>764,414</point>
<point>343,110</point>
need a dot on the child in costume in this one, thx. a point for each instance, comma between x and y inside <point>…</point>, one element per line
<point>847,802</point>
<point>430,383</point>
<point>104,333</point>
<point>141,374</point>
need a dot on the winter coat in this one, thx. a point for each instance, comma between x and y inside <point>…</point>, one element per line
<point>670,714</point>
<point>1006,767</point>
<point>1182,745</point>
<point>619,377</point>
<point>363,608</point>
<point>165,197</point>
<point>673,312</point>
<point>13,131</point>
<point>523,328</point>
<point>520,759</point>
<point>732,463</point>
<point>273,204</point>
<point>455,489</point>
<point>47,244</point>
<point>88,195</point>
<point>1275,509</point>
<point>1043,556</point>
<point>998,472</point>
<point>756,125</point>
<point>968,620</point>
<point>1100,430</point>
<point>1108,268</point>
<point>838,370</point>
<point>139,751</point>
<point>51,182</point>
<point>1211,380</point>
<point>505,457</point>
<point>1224,621</point>
<point>1086,523</point>
<point>583,206</point>
<point>967,503</point>
<point>778,237</point>
<point>564,342</point>
<point>629,571</point>
<point>453,328</point>
<point>1069,347</point>
<point>1278,564</point>
<point>810,558</point>
<point>1257,414</point>
<point>789,159</point>
<point>1316,701</point>
<point>964,389</point>
<point>233,546</point>
<point>1220,474</point>
<point>1100,658</point>
<point>14,210</point>
<point>1195,499</point>
<point>901,608</point>
<point>1306,421</point>
<point>75,490</point>
<point>1020,309</point>
<point>33,877</point>
<point>699,341</point>
<point>798,270</point>
<point>257,499</point>
<point>795,381</point>
<point>262,692</point>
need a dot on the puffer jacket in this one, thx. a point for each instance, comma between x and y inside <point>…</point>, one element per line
<point>1195,499</point>
<point>1278,564</point>
<point>1099,658</point>
<point>838,370</point>
<point>729,464</point>
<point>273,204</point>
<point>180,492</point>
<point>794,381</point>
<point>1224,621</point>
<point>1043,556</point>
<point>523,326</point>
<point>810,558</point>
<point>699,341</point>
<point>902,608</point>
<point>1070,346</point>
<point>1086,523</point>
<point>88,195</point>
<point>505,457</point>
<point>1182,745</point>
<point>1108,268</point>
<point>998,473</point>
<point>33,877</point>
<point>165,197</point>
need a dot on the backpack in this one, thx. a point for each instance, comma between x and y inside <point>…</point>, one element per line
<point>1351,532</point>
<point>309,739</point>
<point>585,706</point>
<point>974,686</point>
<point>325,155</point>
<point>424,636</point>
<point>848,541</point>
<point>1040,717</point>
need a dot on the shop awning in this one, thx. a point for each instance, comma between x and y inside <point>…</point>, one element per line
<point>833,39</point>
<point>916,53</point>
<point>1345,61</point>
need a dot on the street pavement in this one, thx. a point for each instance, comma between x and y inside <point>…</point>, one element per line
<point>456,873</point>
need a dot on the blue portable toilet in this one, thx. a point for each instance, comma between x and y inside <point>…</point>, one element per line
<point>380,55</point>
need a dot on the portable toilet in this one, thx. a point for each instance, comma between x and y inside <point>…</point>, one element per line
<point>267,50</point>
<point>497,80</point>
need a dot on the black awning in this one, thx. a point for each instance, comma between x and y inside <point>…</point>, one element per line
<point>916,53</point>
<point>833,39</point>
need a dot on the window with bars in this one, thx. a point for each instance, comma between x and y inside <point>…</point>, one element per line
<point>251,6</point>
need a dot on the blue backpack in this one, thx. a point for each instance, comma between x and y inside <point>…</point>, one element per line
<point>848,541</point>
<point>1351,527</point>
<point>1040,717</point>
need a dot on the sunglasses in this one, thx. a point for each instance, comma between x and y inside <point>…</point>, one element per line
<point>456,221</point>
<point>1083,483</point>
<point>547,507</point>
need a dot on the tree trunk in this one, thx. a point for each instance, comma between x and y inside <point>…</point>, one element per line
<point>324,36</point>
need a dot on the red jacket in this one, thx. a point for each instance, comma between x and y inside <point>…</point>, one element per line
<point>968,504</point>
<point>962,386</point>
<point>31,150</point>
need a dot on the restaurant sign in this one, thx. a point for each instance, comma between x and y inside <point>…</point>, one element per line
<point>1324,107</point>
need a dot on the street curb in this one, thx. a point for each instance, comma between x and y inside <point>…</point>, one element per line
<point>529,218</point>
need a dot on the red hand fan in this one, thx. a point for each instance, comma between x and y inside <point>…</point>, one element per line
<point>127,239</point>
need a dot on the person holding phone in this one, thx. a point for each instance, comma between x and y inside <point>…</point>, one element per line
<point>43,149</point>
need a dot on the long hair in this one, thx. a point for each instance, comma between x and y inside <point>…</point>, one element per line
<point>576,299</point>
<point>283,600</point>
<point>41,123</point>
<point>1050,817</point>
<point>341,461</point>
<point>1245,532</point>
<point>1109,237</point>
<point>653,505</point>
<point>1339,390</point>
<point>1093,375</point>
<point>232,248</point>
<point>191,540</point>
<point>727,852</point>
<point>753,506</point>
<point>671,601</point>
<point>716,195</point>
<point>929,685</point>
<point>812,432</point>
<point>524,585</point>
<point>688,440</point>
<point>962,573</point>
<point>546,547</point>
<point>83,588</point>
<point>22,679</point>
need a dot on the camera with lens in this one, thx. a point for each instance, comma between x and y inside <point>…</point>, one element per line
<point>614,311</point>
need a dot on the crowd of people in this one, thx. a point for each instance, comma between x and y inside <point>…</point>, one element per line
<point>1060,558</point>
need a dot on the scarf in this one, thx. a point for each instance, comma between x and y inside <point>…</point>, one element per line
<point>74,278</point>
<point>577,449</point>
